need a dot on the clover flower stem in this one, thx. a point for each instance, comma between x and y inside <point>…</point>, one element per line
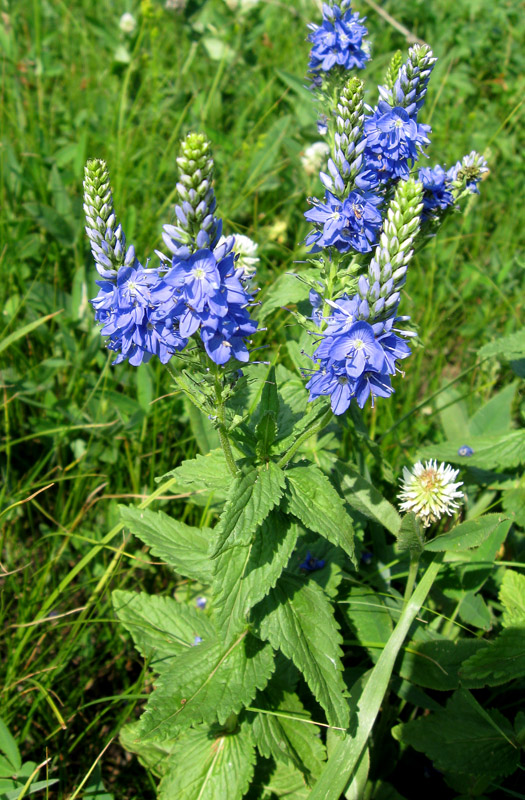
<point>223,433</point>
<point>411,579</point>
<point>323,422</point>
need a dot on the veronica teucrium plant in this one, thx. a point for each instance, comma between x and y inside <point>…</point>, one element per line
<point>247,658</point>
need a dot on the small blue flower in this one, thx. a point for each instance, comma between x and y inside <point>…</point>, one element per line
<point>197,640</point>
<point>311,564</point>
<point>349,224</point>
<point>437,195</point>
<point>465,451</point>
<point>337,41</point>
<point>201,602</point>
<point>366,557</point>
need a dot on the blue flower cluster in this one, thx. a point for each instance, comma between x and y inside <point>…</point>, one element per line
<point>393,139</point>
<point>440,186</point>
<point>147,312</point>
<point>337,41</point>
<point>349,224</point>
<point>437,190</point>
<point>356,357</point>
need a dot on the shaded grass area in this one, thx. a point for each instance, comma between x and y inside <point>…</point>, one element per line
<point>85,435</point>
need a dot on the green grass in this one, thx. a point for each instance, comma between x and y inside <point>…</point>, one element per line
<point>79,436</point>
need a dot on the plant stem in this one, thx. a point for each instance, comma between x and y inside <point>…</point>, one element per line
<point>345,756</point>
<point>411,579</point>
<point>223,433</point>
<point>325,419</point>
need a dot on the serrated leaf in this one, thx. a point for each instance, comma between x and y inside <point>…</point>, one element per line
<point>469,569</point>
<point>503,660</point>
<point>298,619</point>
<point>370,619</point>
<point>312,498</point>
<point>501,451</point>
<point>161,627</point>
<point>250,499</point>
<point>507,347</point>
<point>183,547</point>
<point>152,754</point>
<point>287,288</point>
<point>244,574</point>
<point>279,735</point>
<point>205,766</point>
<point>435,664</point>
<point>512,595</point>
<point>9,747</point>
<point>459,739</point>
<point>209,681</point>
<point>365,498</point>
<point>471,533</point>
<point>411,536</point>
<point>285,782</point>
<point>205,476</point>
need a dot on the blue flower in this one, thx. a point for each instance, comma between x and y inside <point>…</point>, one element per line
<point>311,564</point>
<point>349,224</point>
<point>465,451</point>
<point>392,139</point>
<point>197,640</point>
<point>337,41</point>
<point>355,358</point>
<point>437,195</point>
<point>201,602</point>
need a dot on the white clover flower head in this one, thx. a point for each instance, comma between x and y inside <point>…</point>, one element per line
<point>175,5</point>
<point>314,156</point>
<point>241,5</point>
<point>429,491</point>
<point>127,23</point>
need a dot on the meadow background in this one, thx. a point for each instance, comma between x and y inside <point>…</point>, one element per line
<point>79,436</point>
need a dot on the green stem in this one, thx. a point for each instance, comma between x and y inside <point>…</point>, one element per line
<point>345,756</point>
<point>223,433</point>
<point>411,579</point>
<point>325,419</point>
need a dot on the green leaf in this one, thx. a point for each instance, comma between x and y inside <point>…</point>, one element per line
<point>286,288</point>
<point>512,595</point>
<point>182,547</point>
<point>152,754</point>
<point>244,574</point>
<point>411,536</point>
<point>279,735</point>
<point>503,660</point>
<point>312,498</point>
<point>298,619</point>
<point>468,570</point>
<point>161,627</point>
<point>9,747</point>
<point>209,681</point>
<point>474,611</point>
<point>471,533</point>
<point>361,495</point>
<point>250,499</point>
<point>34,787</point>
<point>7,341</point>
<point>435,664</point>
<point>346,756</point>
<point>286,782</point>
<point>459,739</point>
<point>501,451</point>
<point>507,347</point>
<point>496,415</point>
<point>208,766</point>
<point>204,476</point>
<point>205,434</point>
<point>370,619</point>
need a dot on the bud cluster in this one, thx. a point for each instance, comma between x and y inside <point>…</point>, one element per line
<point>107,240</point>
<point>196,226</point>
